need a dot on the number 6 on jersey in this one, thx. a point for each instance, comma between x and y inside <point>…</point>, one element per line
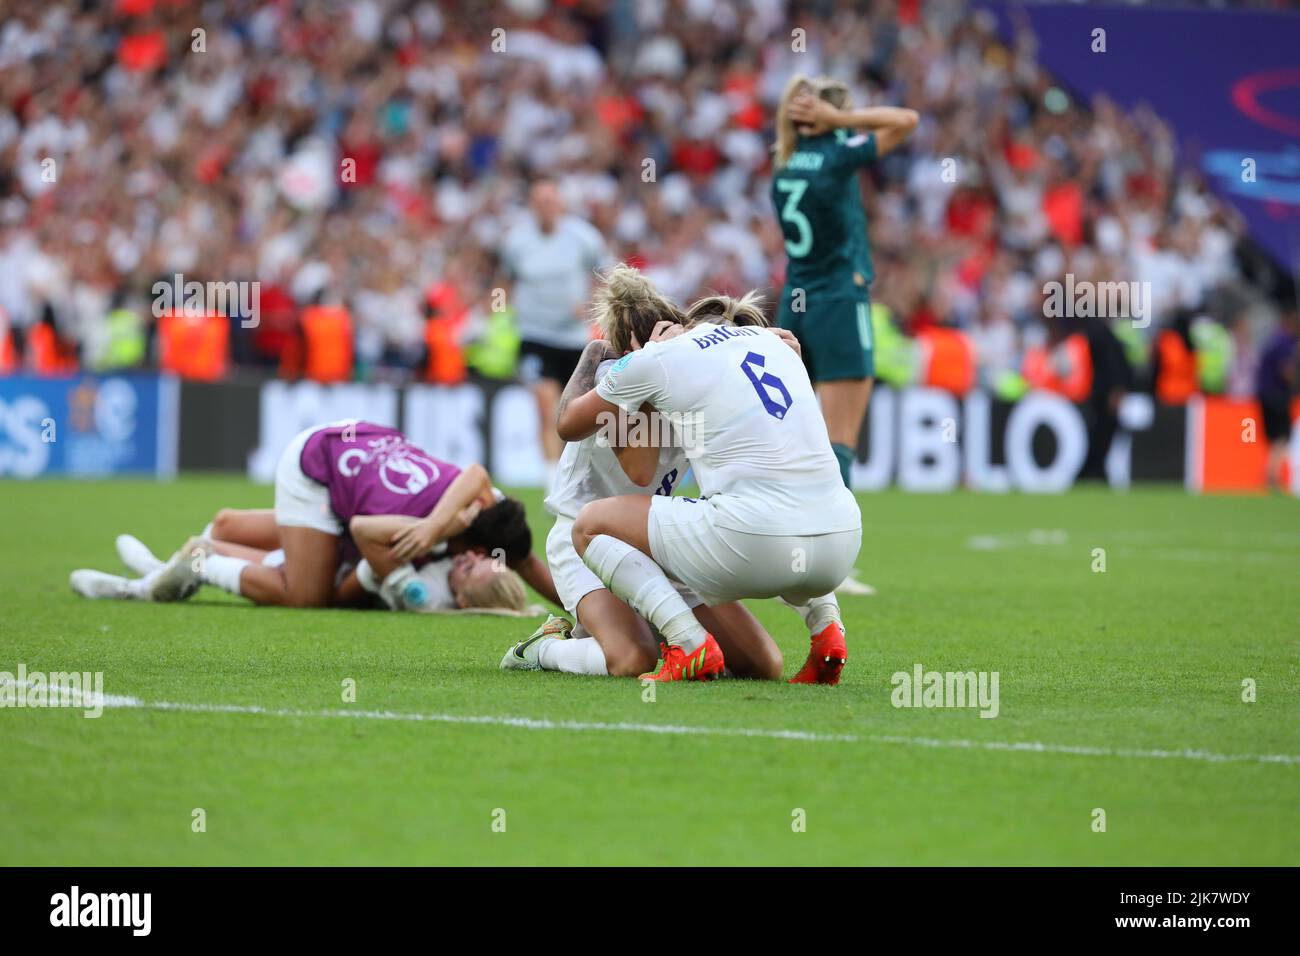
<point>763,381</point>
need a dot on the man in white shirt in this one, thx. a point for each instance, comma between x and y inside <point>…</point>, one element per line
<point>550,259</point>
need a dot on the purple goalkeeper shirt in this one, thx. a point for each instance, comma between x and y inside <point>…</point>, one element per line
<point>373,470</point>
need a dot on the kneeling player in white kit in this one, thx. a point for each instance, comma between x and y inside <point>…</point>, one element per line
<point>775,519</point>
<point>603,466</point>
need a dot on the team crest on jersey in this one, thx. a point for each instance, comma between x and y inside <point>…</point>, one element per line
<point>402,469</point>
<point>610,376</point>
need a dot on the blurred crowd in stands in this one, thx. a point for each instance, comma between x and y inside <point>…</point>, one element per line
<point>362,161</point>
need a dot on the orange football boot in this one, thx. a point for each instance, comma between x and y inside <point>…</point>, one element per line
<point>826,658</point>
<point>704,663</point>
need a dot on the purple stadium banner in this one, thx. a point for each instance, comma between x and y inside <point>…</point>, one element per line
<point>1228,81</point>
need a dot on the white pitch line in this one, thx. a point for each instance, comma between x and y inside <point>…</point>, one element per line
<point>542,723</point>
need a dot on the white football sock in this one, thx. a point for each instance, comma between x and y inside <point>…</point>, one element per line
<point>643,585</point>
<point>366,577</point>
<point>139,588</point>
<point>135,554</point>
<point>581,656</point>
<point>223,572</point>
<point>819,613</point>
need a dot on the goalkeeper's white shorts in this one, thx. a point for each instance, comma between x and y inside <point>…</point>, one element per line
<point>300,501</point>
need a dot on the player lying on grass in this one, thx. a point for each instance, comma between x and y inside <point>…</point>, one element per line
<point>468,580</point>
<point>330,475</point>
<point>599,466</point>
<point>774,519</point>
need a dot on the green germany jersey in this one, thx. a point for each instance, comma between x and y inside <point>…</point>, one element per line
<point>819,207</point>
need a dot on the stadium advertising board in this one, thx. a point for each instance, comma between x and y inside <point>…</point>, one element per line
<point>928,440</point>
<point>491,422</point>
<point>918,439</point>
<point>88,426</point>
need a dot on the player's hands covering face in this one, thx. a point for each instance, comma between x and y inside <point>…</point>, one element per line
<point>812,111</point>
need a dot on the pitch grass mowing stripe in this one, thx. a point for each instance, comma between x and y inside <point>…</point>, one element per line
<point>536,723</point>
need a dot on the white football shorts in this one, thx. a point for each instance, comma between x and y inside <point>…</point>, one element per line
<point>721,564</point>
<point>573,579</point>
<point>301,502</point>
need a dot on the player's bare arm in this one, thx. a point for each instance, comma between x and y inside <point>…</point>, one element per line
<point>472,486</point>
<point>538,576</point>
<point>582,416</point>
<point>891,124</point>
<point>582,412</point>
<point>583,379</point>
<point>638,458</point>
<point>373,533</point>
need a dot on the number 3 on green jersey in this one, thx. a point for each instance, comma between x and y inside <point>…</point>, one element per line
<point>790,213</point>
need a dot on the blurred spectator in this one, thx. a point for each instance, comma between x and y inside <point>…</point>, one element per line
<point>550,259</point>
<point>1111,380</point>
<point>1275,386</point>
<point>372,157</point>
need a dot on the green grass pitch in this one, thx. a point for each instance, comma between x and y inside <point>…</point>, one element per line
<point>1131,679</point>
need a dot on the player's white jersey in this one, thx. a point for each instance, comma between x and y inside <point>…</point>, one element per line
<point>588,471</point>
<point>750,423</point>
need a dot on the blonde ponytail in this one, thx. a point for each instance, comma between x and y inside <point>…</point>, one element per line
<point>786,134</point>
<point>728,310</point>
<point>504,591</point>
<point>627,305</point>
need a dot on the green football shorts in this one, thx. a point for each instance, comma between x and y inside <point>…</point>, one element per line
<point>833,330</point>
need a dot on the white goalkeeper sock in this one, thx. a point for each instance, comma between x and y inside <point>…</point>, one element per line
<point>139,588</point>
<point>642,584</point>
<point>580,656</point>
<point>223,572</point>
<point>819,613</point>
<point>366,577</point>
